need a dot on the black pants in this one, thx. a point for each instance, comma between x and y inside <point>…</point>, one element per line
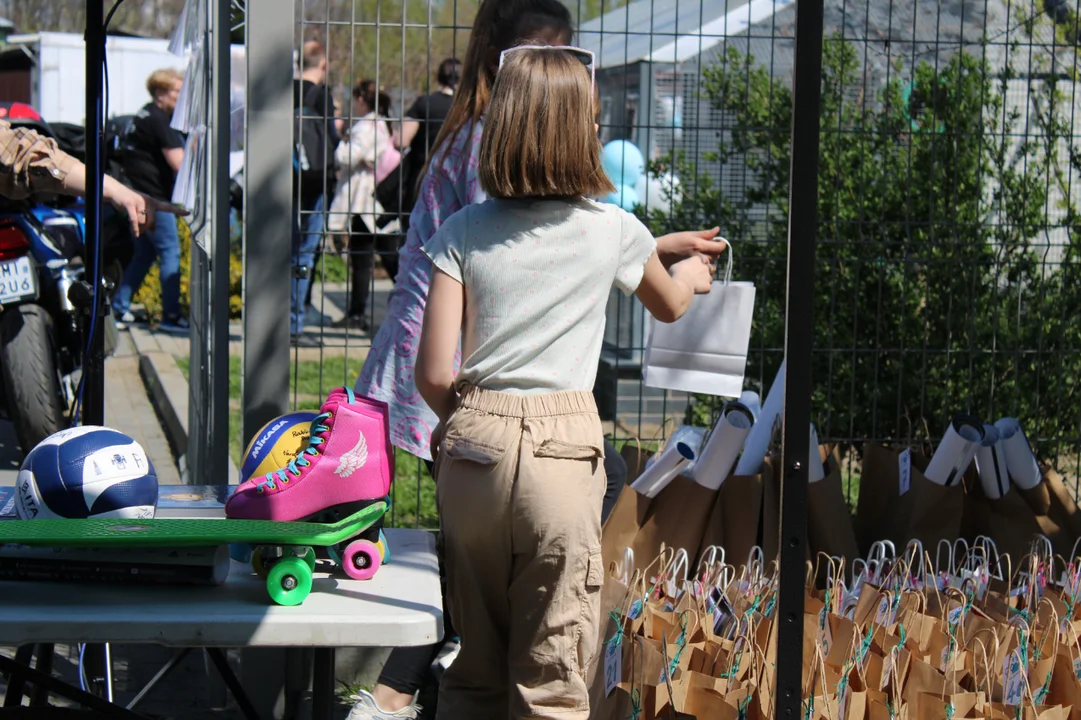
<point>363,245</point>
<point>407,668</point>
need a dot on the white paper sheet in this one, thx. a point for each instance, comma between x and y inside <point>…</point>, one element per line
<point>1020,460</point>
<point>816,468</point>
<point>668,464</point>
<point>991,464</point>
<point>723,446</point>
<point>956,451</point>
<point>757,443</point>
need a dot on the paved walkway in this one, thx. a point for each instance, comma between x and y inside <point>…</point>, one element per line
<point>328,306</point>
<point>127,408</point>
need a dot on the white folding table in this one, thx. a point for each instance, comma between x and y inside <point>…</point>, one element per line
<point>400,607</point>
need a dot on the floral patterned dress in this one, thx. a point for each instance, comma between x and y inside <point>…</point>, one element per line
<point>449,185</point>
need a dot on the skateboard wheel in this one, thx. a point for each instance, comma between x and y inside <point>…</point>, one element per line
<point>289,581</point>
<point>361,560</point>
<point>258,563</point>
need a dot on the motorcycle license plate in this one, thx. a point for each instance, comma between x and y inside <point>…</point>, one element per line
<point>17,280</point>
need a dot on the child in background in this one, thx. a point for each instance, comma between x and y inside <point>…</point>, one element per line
<point>523,278</point>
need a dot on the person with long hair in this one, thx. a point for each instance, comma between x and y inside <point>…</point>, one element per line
<point>449,182</point>
<point>522,280</point>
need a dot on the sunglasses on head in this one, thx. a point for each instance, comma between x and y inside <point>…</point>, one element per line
<point>584,56</point>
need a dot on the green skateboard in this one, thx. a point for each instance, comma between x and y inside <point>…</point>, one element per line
<point>284,553</point>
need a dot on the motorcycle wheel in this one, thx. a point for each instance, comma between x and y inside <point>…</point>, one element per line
<point>31,380</point>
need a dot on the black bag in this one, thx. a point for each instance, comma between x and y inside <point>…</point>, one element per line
<point>393,195</point>
<point>313,156</point>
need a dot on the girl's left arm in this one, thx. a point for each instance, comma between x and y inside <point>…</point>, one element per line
<point>434,372</point>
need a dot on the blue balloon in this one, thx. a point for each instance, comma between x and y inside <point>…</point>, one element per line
<point>623,162</point>
<point>625,197</point>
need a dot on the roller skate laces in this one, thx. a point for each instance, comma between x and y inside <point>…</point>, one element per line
<point>295,468</point>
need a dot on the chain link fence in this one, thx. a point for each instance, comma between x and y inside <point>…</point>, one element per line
<point>948,277</point>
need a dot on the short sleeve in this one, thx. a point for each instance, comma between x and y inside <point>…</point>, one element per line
<point>636,246</point>
<point>167,137</point>
<point>446,248</point>
<point>419,109</point>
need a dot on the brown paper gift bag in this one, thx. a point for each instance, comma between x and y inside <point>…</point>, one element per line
<point>876,515</point>
<point>771,509</point>
<point>734,521</point>
<point>629,512</point>
<point>1063,508</point>
<point>1010,521</point>
<point>675,518</point>
<point>829,521</point>
<point>626,519</point>
<point>903,504</point>
<point>1065,687</point>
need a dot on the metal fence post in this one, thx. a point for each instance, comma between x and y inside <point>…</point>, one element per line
<point>268,200</point>
<point>799,338</point>
<point>93,406</point>
<point>208,384</point>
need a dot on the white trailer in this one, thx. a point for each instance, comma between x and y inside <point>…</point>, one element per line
<point>58,72</point>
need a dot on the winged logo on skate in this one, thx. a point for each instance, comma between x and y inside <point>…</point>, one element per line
<point>354,459</point>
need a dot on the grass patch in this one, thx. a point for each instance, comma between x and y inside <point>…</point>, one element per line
<point>307,379</point>
<point>331,269</point>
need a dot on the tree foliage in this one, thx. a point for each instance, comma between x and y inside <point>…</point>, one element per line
<point>936,290</point>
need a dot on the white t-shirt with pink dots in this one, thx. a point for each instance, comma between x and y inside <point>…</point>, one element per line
<point>537,275</point>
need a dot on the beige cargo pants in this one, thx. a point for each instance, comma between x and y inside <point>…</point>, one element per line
<point>519,484</point>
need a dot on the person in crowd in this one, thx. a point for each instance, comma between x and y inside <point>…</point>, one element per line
<point>363,154</point>
<point>153,152</point>
<point>313,97</point>
<point>420,128</point>
<point>522,278</point>
<point>449,182</point>
<point>31,163</point>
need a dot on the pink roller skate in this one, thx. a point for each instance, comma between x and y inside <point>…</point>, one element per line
<point>348,465</point>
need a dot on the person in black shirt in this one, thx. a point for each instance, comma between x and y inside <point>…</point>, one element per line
<point>152,155</point>
<point>420,128</point>
<point>311,93</point>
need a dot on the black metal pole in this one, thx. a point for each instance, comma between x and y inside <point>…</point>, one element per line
<point>799,338</point>
<point>93,407</point>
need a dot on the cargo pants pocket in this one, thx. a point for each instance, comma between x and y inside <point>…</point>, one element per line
<point>589,620</point>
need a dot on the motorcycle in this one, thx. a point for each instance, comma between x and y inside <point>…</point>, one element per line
<point>46,302</point>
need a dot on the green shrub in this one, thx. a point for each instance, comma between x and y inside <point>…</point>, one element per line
<point>931,298</point>
<point>149,295</point>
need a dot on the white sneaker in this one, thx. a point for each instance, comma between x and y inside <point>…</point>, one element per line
<point>366,709</point>
<point>123,321</point>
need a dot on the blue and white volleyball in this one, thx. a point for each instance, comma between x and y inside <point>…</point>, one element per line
<point>87,472</point>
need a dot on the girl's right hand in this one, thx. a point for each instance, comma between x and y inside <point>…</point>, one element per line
<point>695,272</point>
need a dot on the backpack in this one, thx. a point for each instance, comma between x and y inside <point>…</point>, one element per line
<point>313,158</point>
<point>392,193</point>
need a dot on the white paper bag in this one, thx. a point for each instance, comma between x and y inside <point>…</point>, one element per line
<point>705,351</point>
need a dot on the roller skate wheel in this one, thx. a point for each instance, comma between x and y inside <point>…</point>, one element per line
<point>259,563</point>
<point>384,548</point>
<point>290,581</point>
<point>361,560</point>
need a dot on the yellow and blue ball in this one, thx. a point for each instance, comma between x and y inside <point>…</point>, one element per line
<point>278,442</point>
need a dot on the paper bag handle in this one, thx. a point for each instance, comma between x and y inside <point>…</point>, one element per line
<point>728,270</point>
